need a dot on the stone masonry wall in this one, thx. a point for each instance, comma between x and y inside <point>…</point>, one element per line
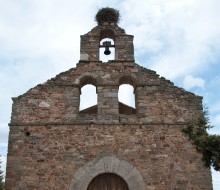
<point>47,157</point>
<point>90,43</point>
<point>52,143</point>
<point>50,140</point>
<point>57,101</point>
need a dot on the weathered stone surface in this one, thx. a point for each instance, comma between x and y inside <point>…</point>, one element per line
<point>44,105</point>
<point>66,148</point>
<point>55,100</point>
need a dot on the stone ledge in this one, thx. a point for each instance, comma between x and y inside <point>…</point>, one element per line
<point>95,123</point>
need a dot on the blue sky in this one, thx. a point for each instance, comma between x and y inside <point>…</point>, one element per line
<point>179,39</point>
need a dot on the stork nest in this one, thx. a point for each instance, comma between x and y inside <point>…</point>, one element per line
<point>107,15</point>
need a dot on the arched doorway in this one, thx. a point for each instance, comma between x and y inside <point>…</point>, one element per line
<point>108,181</point>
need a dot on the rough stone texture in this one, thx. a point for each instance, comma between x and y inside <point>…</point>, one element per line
<point>51,157</point>
<point>124,49</point>
<point>54,146</point>
<point>57,101</point>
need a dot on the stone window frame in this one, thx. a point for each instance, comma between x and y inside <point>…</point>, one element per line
<point>86,79</point>
<point>130,79</point>
<point>107,164</point>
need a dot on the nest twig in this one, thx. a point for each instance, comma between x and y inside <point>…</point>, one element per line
<point>107,15</point>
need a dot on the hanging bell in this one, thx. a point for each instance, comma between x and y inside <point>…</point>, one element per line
<point>107,51</point>
<point>106,44</point>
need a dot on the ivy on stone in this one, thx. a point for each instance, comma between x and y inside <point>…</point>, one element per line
<point>208,145</point>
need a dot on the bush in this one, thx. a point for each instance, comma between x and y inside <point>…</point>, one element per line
<point>208,145</point>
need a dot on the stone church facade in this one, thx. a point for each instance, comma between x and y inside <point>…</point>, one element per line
<point>53,145</point>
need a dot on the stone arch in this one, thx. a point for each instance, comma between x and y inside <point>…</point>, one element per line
<point>107,33</point>
<point>128,79</point>
<point>108,164</point>
<point>87,78</point>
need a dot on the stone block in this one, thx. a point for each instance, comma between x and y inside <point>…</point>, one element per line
<point>133,176</point>
<point>111,111</point>
<point>110,94</point>
<point>84,56</point>
<point>100,166</point>
<point>82,175</point>
<point>124,168</point>
<point>78,185</point>
<point>111,164</point>
<point>70,115</point>
<point>44,104</point>
<point>137,186</point>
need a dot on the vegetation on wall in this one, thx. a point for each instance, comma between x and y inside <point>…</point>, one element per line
<point>107,15</point>
<point>208,145</point>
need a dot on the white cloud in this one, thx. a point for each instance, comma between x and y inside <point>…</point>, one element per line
<point>3,164</point>
<point>3,144</point>
<point>51,29</point>
<point>215,130</point>
<point>217,120</point>
<point>4,129</point>
<point>180,36</point>
<point>215,107</point>
<point>215,179</point>
<point>191,82</point>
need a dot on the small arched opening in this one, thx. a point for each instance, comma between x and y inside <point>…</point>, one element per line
<point>88,99</point>
<point>107,181</point>
<point>88,96</point>
<point>126,95</point>
<point>107,45</point>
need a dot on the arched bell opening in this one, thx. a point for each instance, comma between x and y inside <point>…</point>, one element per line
<point>107,50</point>
<point>107,45</point>
<point>107,181</point>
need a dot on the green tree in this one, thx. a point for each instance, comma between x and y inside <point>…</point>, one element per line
<point>1,178</point>
<point>208,145</point>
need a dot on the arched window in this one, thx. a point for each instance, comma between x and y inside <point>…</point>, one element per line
<point>126,95</point>
<point>107,181</point>
<point>126,98</point>
<point>88,99</point>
